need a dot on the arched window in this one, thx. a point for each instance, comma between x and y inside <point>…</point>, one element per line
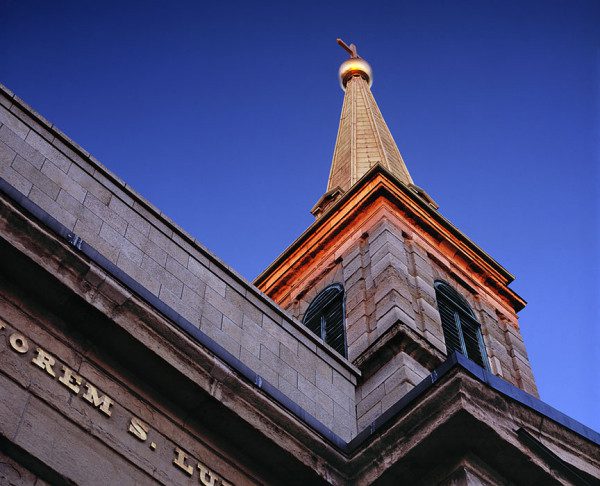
<point>325,317</point>
<point>462,332</point>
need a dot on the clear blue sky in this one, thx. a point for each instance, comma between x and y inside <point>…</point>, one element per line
<point>224,115</point>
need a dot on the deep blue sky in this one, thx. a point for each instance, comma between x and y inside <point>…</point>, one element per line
<point>224,115</point>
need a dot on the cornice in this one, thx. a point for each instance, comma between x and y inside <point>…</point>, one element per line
<point>379,184</point>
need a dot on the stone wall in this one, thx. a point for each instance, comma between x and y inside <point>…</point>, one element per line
<point>74,188</point>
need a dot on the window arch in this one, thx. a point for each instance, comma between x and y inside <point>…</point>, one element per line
<point>462,332</point>
<point>325,317</point>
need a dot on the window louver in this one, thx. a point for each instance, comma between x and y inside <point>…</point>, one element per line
<point>462,332</point>
<point>325,317</point>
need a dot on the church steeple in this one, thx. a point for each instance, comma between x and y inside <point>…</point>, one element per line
<point>364,139</point>
<point>384,278</point>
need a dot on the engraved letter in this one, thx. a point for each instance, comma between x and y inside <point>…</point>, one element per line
<point>206,476</point>
<point>2,325</point>
<point>18,343</point>
<point>44,361</point>
<point>103,403</point>
<point>138,428</point>
<point>71,380</point>
<point>179,461</point>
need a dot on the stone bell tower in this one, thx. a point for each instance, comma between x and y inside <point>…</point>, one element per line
<point>382,239</point>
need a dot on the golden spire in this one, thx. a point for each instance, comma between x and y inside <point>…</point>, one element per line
<point>363,138</point>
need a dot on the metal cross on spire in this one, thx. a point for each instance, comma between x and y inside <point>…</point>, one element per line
<point>350,49</point>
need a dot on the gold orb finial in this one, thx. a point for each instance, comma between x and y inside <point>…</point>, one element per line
<point>355,66</point>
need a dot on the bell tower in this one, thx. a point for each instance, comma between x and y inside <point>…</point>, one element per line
<point>410,286</point>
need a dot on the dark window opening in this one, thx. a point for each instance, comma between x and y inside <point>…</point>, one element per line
<point>462,332</point>
<point>325,317</point>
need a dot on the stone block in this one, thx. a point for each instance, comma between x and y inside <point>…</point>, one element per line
<point>193,297</point>
<point>258,366</point>
<point>404,374</point>
<point>339,397</point>
<point>269,358</point>
<point>105,213</point>
<point>323,372</point>
<point>342,417</point>
<point>394,395</point>
<point>183,274</point>
<point>11,121</point>
<point>358,347</point>
<point>26,151</point>
<point>322,416</point>
<point>221,338</point>
<point>291,390</point>
<point>91,185</point>
<point>252,337</point>
<point>354,296</point>
<point>387,244</point>
<point>393,315</point>
<point>356,329</point>
<point>434,339</point>
<point>145,276</point>
<point>133,218</point>
<point>40,198</point>
<point>243,302</point>
<point>369,417</point>
<point>47,150</point>
<point>352,266</point>
<point>15,179</point>
<point>85,217</point>
<point>205,274</point>
<point>179,306</point>
<point>342,383</point>
<point>169,246</point>
<point>146,246</point>
<point>73,150</point>
<point>305,338</point>
<point>384,226</point>
<point>291,357</point>
<point>368,402</point>
<point>125,247</point>
<point>231,329</point>
<point>321,399</point>
<point>222,305</point>
<point>356,279</point>
<point>64,181</point>
<point>279,334</point>
<point>33,175</point>
<point>7,155</point>
<point>211,314</point>
<point>114,185</point>
<point>386,261</point>
<point>426,289</point>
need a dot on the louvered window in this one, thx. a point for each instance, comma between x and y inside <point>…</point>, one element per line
<point>325,317</point>
<point>462,332</point>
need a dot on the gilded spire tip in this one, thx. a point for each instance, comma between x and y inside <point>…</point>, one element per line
<point>355,66</point>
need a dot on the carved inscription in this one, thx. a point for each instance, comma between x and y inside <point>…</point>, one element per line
<point>91,394</point>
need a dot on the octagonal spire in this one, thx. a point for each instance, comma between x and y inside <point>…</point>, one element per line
<point>364,139</point>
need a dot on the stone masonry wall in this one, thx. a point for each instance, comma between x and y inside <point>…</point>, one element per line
<point>388,272</point>
<point>74,188</point>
